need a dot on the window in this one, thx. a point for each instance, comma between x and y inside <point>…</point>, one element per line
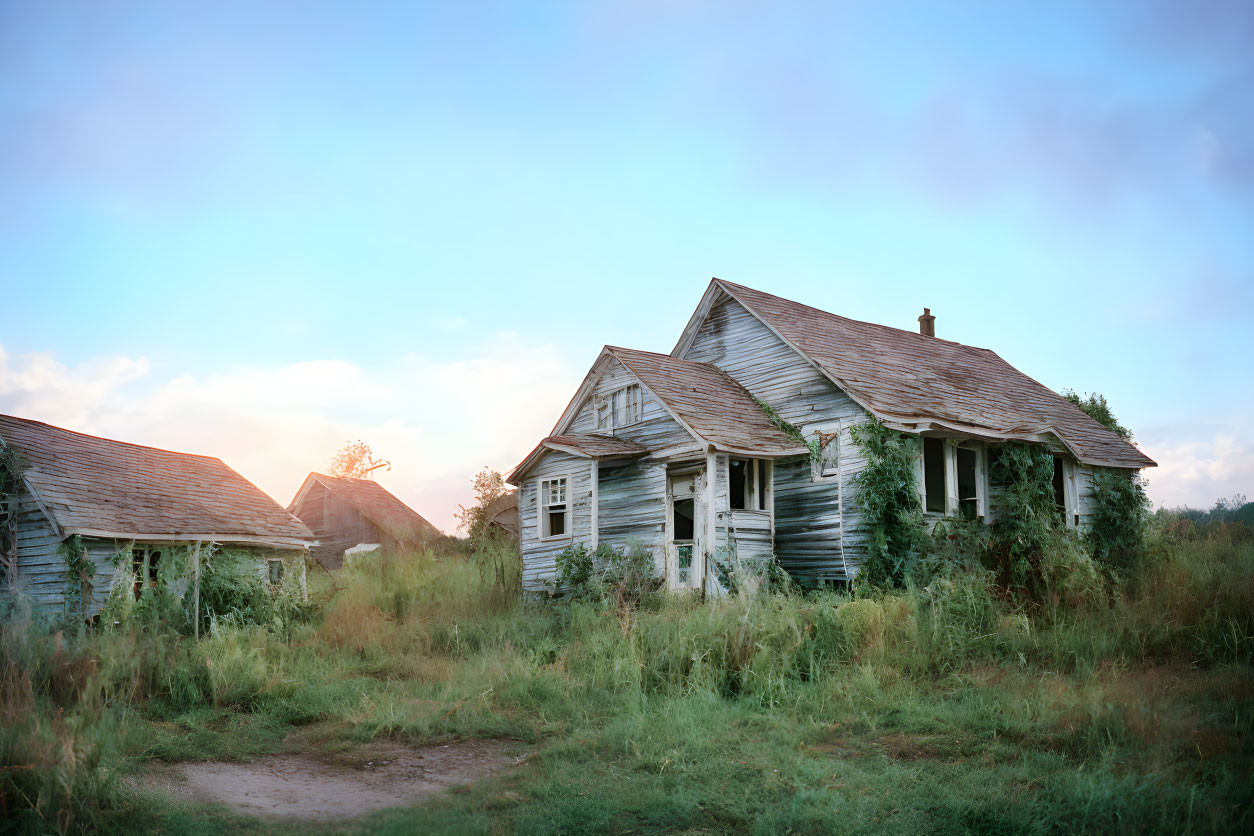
<point>934,475</point>
<point>748,484</point>
<point>620,408</point>
<point>145,562</point>
<point>968,494</point>
<point>276,571</point>
<point>554,508</point>
<point>828,464</point>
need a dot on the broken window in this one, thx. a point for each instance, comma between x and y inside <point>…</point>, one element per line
<point>145,562</point>
<point>685,519</point>
<point>620,408</point>
<point>554,508</point>
<point>827,465</point>
<point>968,496</point>
<point>934,475</point>
<point>748,484</point>
<point>276,571</point>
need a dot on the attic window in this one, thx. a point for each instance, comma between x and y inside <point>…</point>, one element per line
<point>620,408</point>
<point>934,475</point>
<point>554,509</point>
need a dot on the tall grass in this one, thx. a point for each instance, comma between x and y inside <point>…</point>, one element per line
<point>1146,686</point>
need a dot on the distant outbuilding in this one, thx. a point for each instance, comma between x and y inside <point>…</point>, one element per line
<point>86,499</point>
<point>344,513</point>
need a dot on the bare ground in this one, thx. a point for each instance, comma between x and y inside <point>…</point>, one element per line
<point>306,787</point>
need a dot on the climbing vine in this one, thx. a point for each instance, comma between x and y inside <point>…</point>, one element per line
<point>1116,531</point>
<point>79,571</point>
<point>13,463</point>
<point>887,492</point>
<point>815,446</point>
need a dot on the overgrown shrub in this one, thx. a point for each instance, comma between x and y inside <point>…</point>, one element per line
<point>887,492</point>
<point>1117,525</point>
<point>1027,526</point>
<point>607,575</point>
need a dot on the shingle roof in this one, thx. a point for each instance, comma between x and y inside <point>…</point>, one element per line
<point>706,400</point>
<point>378,505</point>
<point>95,486</point>
<point>596,446</point>
<point>902,375</point>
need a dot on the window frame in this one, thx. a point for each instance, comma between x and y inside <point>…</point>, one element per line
<point>543,505</point>
<point>626,400</point>
<point>818,468</point>
<point>952,504</point>
<point>761,474</point>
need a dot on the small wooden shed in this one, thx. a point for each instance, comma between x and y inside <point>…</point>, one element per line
<point>346,512</point>
<point>116,496</point>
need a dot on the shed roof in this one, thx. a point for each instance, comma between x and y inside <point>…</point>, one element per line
<point>375,503</point>
<point>102,488</point>
<point>908,378</point>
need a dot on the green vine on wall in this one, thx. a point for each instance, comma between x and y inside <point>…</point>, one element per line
<point>888,493</point>
<point>13,463</point>
<point>79,571</point>
<point>1120,514</point>
<point>790,430</point>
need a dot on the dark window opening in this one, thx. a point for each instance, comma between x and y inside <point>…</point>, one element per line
<point>685,520</point>
<point>1060,490</point>
<point>145,563</point>
<point>968,501</point>
<point>736,478</point>
<point>934,473</point>
<point>761,485</point>
<point>557,522</point>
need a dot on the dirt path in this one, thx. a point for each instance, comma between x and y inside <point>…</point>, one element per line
<point>304,787</point>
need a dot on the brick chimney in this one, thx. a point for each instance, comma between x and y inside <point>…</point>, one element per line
<point>927,323</point>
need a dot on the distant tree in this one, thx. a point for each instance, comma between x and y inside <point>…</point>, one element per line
<point>476,520</point>
<point>1096,407</point>
<point>355,460</point>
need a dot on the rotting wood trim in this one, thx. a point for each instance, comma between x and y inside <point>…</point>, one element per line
<point>191,537</point>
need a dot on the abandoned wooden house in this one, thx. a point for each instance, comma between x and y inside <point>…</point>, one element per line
<point>679,453</point>
<point>115,497</point>
<point>345,513</point>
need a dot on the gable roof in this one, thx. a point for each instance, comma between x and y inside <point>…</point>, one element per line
<point>714,409</point>
<point>102,488</point>
<point>708,403</point>
<point>374,502</point>
<point>919,382</point>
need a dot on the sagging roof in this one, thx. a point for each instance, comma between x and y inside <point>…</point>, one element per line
<point>714,408</point>
<point>375,503</point>
<point>923,382</point>
<point>97,487</point>
<point>716,411</point>
<point>595,446</point>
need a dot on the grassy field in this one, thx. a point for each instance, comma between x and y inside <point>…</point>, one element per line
<point>926,710</point>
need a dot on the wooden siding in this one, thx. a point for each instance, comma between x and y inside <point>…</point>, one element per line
<point>633,507</point>
<point>832,545</point>
<point>655,430</point>
<point>539,556</point>
<point>807,522</point>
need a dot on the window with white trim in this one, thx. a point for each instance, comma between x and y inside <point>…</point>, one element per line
<point>934,478</point>
<point>749,484</point>
<point>620,408</point>
<point>554,508</point>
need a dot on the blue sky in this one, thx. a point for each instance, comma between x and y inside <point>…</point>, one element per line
<point>260,230</point>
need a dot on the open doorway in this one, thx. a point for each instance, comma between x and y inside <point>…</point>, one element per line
<point>685,560</point>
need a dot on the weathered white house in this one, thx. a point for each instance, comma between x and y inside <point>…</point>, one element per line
<point>677,453</point>
<point>116,496</point>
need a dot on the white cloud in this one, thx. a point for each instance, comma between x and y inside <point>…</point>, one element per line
<point>1196,472</point>
<point>436,422</point>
